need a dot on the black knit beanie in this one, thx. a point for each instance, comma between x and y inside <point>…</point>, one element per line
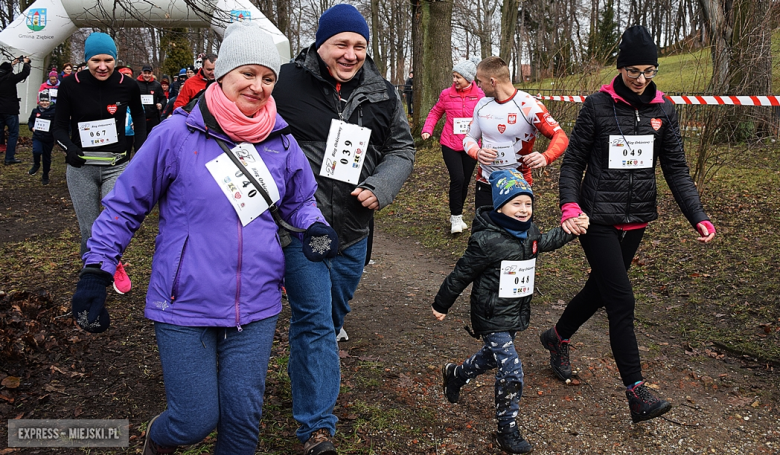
<point>637,48</point>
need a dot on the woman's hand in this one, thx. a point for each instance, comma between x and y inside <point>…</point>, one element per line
<point>574,225</point>
<point>438,316</point>
<point>706,230</point>
<point>425,136</point>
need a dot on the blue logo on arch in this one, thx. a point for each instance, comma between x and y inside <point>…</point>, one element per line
<point>238,15</point>
<point>36,19</point>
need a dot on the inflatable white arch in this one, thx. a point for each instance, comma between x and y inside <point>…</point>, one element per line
<point>47,23</point>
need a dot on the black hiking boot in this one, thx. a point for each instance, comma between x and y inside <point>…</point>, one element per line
<point>559,353</point>
<point>150,447</point>
<point>510,440</point>
<point>319,443</point>
<point>451,383</point>
<point>34,169</point>
<point>644,405</point>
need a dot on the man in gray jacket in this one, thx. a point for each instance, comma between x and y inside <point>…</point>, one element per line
<point>351,125</point>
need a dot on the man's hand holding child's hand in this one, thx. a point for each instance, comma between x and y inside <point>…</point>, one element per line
<point>437,315</point>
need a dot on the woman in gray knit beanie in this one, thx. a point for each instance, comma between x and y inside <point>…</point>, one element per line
<point>457,102</point>
<point>214,293</point>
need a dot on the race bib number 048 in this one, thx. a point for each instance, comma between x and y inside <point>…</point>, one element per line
<point>517,278</point>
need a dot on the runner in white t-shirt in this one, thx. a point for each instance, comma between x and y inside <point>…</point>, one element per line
<point>507,122</point>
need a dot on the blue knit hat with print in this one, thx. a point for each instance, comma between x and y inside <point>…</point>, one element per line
<point>507,185</point>
<point>338,19</point>
<point>99,43</point>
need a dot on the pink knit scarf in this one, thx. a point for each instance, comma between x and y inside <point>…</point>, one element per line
<point>234,123</point>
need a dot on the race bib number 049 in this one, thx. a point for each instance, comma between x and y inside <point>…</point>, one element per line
<point>631,152</point>
<point>517,278</point>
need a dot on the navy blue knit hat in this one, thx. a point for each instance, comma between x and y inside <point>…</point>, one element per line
<point>338,19</point>
<point>507,185</point>
<point>99,43</point>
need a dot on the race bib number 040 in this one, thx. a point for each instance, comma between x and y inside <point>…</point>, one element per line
<point>517,278</point>
<point>239,191</point>
<point>345,151</point>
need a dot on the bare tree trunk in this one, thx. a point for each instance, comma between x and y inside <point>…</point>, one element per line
<point>432,56</point>
<point>508,26</point>
<point>375,27</point>
<point>720,34</point>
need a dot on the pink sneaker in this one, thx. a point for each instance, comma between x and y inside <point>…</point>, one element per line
<point>122,282</point>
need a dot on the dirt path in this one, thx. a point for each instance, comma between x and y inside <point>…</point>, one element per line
<point>392,401</point>
<point>721,405</point>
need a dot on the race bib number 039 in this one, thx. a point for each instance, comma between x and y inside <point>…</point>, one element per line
<point>517,278</point>
<point>631,152</point>
<point>345,151</point>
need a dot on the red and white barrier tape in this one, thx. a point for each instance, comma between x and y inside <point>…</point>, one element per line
<point>711,100</point>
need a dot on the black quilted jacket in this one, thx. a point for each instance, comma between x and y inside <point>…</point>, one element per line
<point>616,196</point>
<point>481,264</point>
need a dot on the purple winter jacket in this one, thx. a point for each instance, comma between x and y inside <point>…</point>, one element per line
<point>454,103</point>
<point>207,269</point>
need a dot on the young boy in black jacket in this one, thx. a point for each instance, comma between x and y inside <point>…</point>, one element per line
<point>500,260</point>
<point>40,123</point>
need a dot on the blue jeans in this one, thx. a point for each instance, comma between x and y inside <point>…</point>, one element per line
<point>319,295</point>
<point>12,122</point>
<point>498,352</point>
<point>214,378</point>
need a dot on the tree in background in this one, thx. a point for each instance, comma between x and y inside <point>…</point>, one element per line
<point>432,54</point>
<point>603,39</point>
<point>178,53</point>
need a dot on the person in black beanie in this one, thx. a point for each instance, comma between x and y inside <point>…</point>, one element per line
<point>620,134</point>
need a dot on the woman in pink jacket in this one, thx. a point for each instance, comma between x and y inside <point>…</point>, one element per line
<point>457,102</point>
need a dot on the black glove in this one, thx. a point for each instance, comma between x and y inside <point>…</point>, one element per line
<point>89,301</point>
<point>320,242</point>
<point>74,156</point>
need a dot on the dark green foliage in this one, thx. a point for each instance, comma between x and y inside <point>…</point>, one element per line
<point>178,53</point>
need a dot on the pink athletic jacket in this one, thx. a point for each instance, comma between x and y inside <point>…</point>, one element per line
<point>455,104</point>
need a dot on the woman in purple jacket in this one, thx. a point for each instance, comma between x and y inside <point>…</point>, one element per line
<point>215,289</point>
<point>457,102</point>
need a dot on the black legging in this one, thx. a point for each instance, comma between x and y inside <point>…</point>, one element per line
<point>609,252</point>
<point>460,166</point>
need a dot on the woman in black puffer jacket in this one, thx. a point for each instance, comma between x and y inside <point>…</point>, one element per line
<point>621,133</point>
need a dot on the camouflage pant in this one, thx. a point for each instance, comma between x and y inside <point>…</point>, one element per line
<point>498,352</point>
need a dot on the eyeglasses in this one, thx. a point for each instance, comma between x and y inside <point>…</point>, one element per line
<point>634,73</point>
